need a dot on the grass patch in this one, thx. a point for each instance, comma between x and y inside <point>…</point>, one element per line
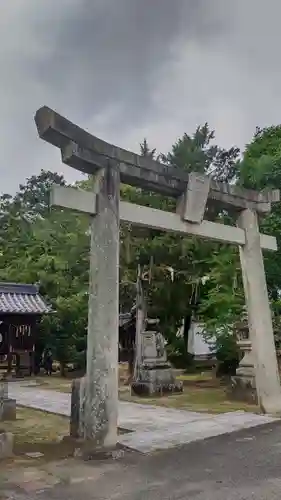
<point>53,383</point>
<point>36,427</point>
<point>38,431</point>
<point>202,393</point>
<point>209,400</point>
<point>58,383</point>
<point>195,377</point>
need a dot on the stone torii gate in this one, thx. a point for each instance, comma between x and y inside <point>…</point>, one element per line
<point>97,394</point>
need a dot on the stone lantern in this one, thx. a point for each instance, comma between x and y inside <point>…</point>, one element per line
<point>243,384</point>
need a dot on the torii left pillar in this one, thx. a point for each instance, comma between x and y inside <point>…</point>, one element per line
<point>94,406</point>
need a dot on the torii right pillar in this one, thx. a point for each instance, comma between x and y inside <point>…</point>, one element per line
<point>259,315</point>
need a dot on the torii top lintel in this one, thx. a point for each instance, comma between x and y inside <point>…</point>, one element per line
<point>87,153</point>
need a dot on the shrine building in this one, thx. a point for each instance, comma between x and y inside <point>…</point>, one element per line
<point>21,309</point>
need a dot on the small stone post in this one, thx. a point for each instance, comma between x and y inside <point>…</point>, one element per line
<point>7,405</point>
<point>95,401</point>
<point>6,438</point>
<point>2,397</point>
<point>259,315</point>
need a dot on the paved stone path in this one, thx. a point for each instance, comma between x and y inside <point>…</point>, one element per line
<point>152,427</point>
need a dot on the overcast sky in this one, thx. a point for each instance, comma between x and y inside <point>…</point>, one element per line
<point>128,69</point>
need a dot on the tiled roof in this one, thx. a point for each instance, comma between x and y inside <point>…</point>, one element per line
<point>21,299</point>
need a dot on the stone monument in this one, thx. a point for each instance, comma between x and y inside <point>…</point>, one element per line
<point>153,374</point>
<point>7,412</point>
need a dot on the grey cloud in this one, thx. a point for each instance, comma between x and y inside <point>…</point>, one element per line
<point>111,52</point>
<point>126,69</point>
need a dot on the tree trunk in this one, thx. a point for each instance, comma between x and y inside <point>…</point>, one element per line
<point>187,323</point>
<point>62,369</point>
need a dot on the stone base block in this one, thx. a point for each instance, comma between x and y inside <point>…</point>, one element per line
<point>156,382</point>
<point>243,389</point>
<point>8,410</point>
<point>88,450</point>
<point>86,423</point>
<point>6,444</point>
<point>77,408</point>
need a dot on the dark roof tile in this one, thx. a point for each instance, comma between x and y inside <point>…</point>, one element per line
<point>21,299</point>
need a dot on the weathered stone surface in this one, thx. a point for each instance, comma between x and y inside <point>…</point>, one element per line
<point>75,413</point>
<point>7,405</point>
<point>34,454</point>
<point>156,219</point>
<point>2,397</point>
<point>99,396</point>
<point>6,444</point>
<point>243,389</point>
<point>9,410</point>
<point>85,152</point>
<point>156,382</point>
<point>259,316</point>
<point>74,199</point>
<point>153,352</point>
<point>77,416</point>
<point>194,201</point>
<point>95,397</point>
<point>154,375</point>
<point>88,450</point>
<point>243,385</point>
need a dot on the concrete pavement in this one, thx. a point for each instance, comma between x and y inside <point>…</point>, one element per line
<point>151,427</point>
<point>245,465</point>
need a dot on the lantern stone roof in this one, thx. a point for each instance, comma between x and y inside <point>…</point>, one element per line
<point>124,319</point>
<point>19,298</point>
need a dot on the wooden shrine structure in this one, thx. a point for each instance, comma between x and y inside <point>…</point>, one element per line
<point>21,308</point>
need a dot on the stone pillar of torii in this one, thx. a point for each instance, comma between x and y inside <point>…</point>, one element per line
<point>95,397</point>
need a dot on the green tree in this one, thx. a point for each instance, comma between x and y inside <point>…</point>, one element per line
<point>33,197</point>
<point>198,153</point>
<point>260,168</point>
<point>146,151</point>
<point>190,258</point>
<point>48,247</point>
<point>51,247</point>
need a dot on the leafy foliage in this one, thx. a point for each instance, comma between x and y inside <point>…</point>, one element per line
<point>261,169</point>
<point>50,247</point>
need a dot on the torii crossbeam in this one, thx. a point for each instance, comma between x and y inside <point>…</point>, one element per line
<point>98,393</point>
